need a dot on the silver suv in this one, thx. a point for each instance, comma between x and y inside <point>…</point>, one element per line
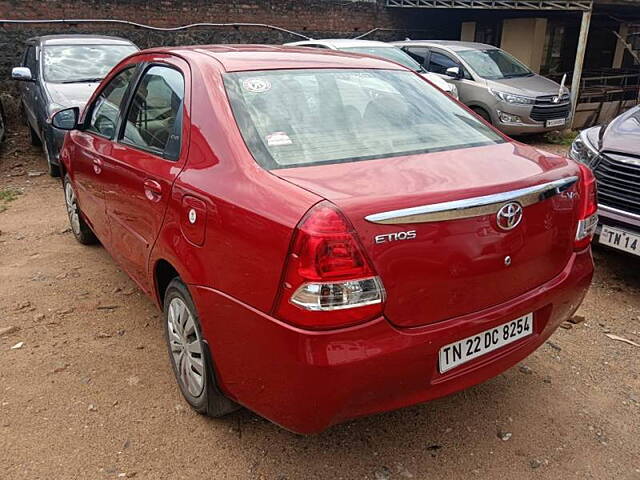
<point>495,85</point>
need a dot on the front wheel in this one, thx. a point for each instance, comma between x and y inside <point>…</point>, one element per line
<point>190,355</point>
<point>483,113</point>
<point>34,139</point>
<point>54,170</point>
<point>79,227</point>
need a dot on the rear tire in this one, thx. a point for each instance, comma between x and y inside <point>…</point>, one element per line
<point>190,355</point>
<point>79,227</point>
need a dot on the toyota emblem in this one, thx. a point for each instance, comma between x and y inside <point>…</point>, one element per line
<point>509,216</point>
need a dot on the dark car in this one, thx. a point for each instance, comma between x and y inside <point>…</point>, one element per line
<point>62,71</point>
<point>3,123</point>
<point>613,153</point>
<point>328,234</point>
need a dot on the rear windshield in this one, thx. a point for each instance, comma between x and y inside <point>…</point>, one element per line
<point>292,118</point>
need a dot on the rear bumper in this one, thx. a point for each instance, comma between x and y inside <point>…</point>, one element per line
<point>306,381</point>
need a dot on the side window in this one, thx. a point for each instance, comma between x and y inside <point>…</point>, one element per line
<point>154,120</point>
<point>419,54</point>
<point>438,63</point>
<point>105,110</point>
<point>30,60</point>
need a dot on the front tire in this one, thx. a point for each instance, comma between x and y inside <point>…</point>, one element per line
<point>34,139</point>
<point>79,227</point>
<point>189,354</point>
<point>54,170</point>
<point>483,113</point>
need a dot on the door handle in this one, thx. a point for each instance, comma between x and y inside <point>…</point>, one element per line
<point>97,166</point>
<point>152,190</point>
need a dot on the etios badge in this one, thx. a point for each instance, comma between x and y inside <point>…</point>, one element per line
<point>509,216</point>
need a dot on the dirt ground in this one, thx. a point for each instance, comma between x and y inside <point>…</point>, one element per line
<point>90,394</point>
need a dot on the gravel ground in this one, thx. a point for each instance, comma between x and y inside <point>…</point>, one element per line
<point>90,393</point>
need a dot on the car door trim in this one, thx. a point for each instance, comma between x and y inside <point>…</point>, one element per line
<point>474,206</point>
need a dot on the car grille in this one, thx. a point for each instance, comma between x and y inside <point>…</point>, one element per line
<point>548,99</point>
<point>541,113</point>
<point>618,183</point>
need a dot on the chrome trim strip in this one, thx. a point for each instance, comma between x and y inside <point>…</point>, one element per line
<point>472,207</point>
<point>620,215</point>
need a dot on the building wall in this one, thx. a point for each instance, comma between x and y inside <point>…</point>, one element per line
<point>524,39</point>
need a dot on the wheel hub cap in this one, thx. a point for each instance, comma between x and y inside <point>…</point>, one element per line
<point>186,348</point>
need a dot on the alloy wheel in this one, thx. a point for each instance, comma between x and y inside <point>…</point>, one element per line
<point>72,208</point>
<point>186,347</point>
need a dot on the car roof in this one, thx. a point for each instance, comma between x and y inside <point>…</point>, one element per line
<point>451,44</point>
<point>80,40</point>
<point>343,43</point>
<point>235,58</point>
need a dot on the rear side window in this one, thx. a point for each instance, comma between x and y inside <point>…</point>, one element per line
<point>105,111</point>
<point>154,120</point>
<point>419,54</point>
<point>291,118</point>
<point>438,63</point>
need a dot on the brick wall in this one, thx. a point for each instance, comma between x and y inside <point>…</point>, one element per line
<point>315,18</point>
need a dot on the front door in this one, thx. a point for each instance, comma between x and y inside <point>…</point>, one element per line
<point>440,61</point>
<point>91,174</point>
<point>149,154</point>
<point>29,90</point>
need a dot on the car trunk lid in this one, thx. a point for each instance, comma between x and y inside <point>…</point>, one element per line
<point>450,266</point>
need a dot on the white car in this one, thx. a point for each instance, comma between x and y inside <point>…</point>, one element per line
<point>379,49</point>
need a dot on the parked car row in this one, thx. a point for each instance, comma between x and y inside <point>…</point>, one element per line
<point>327,234</point>
<point>63,70</point>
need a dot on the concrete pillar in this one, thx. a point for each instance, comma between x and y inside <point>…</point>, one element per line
<point>524,39</point>
<point>468,32</point>
<point>619,54</point>
<point>577,67</point>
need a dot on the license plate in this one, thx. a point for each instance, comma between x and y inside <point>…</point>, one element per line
<point>556,122</point>
<point>620,239</point>
<point>467,349</point>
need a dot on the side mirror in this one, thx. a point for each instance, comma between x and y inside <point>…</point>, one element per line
<point>22,74</point>
<point>66,119</point>
<point>453,72</point>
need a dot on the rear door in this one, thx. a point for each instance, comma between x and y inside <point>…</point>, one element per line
<point>144,163</point>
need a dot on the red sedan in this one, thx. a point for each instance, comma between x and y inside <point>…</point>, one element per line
<point>328,235</point>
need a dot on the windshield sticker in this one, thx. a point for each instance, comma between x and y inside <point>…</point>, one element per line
<point>256,85</point>
<point>278,139</point>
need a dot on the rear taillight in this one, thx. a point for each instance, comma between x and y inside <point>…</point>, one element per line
<point>328,280</point>
<point>587,208</point>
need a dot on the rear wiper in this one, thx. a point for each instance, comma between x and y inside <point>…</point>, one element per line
<point>83,80</point>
